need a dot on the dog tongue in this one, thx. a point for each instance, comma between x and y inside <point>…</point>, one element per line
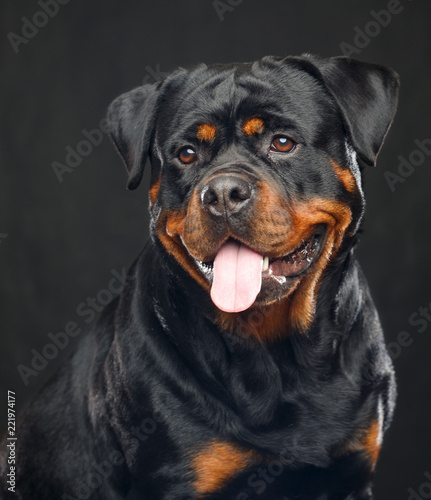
<point>237,277</point>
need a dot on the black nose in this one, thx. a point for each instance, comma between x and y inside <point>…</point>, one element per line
<point>226,194</point>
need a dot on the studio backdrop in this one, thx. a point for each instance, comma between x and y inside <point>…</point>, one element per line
<point>69,229</point>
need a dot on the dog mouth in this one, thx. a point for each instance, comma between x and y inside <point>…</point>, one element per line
<point>295,262</point>
<point>238,274</point>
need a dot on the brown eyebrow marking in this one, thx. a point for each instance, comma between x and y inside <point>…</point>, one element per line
<point>206,132</point>
<point>253,126</point>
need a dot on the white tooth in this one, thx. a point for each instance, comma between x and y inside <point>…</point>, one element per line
<point>265,264</point>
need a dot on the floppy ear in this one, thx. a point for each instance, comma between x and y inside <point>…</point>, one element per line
<point>131,120</point>
<point>367,95</point>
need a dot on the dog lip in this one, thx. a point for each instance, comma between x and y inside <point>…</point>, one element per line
<point>299,260</point>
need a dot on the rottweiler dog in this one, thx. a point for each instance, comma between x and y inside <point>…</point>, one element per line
<point>244,358</point>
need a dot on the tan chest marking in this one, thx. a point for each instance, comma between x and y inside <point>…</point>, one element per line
<point>217,463</point>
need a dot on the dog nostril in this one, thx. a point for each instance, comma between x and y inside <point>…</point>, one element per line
<point>235,195</point>
<point>241,193</point>
<point>226,194</point>
<point>209,196</point>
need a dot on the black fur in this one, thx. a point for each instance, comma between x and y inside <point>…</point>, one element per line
<point>158,379</point>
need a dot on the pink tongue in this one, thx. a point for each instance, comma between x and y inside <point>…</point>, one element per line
<point>237,277</point>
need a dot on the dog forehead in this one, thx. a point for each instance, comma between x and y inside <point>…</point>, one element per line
<point>226,93</point>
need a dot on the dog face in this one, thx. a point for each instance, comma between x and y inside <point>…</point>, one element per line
<point>256,180</point>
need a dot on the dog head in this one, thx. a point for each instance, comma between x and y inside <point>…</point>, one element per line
<point>256,170</point>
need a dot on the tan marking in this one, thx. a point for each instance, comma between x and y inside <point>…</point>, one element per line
<point>170,228</point>
<point>253,126</point>
<point>217,464</point>
<point>365,441</point>
<point>337,216</point>
<point>267,323</point>
<point>346,177</point>
<point>206,132</point>
<point>154,191</point>
<point>277,228</point>
<point>273,320</point>
<point>371,442</point>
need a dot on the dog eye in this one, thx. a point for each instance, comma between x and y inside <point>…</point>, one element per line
<point>282,144</point>
<point>187,155</point>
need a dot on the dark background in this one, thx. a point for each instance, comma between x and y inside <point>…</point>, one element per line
<point>60,241</point>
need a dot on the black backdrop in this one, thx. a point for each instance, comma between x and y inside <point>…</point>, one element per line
<point>62,242</point>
